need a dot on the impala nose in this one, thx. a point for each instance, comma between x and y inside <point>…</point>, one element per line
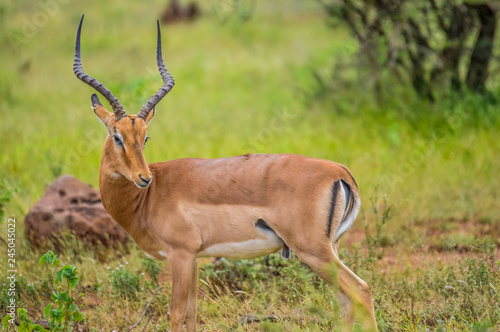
<point>145,180</point>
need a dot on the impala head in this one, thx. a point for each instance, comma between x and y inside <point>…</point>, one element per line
<point>127,134</point>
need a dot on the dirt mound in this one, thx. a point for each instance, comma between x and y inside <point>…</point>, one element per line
<point>70,205</point>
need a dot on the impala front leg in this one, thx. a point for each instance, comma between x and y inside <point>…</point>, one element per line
<point>191,305</point>
<point>182,269</point>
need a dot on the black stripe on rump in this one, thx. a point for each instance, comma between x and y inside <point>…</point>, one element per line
<point>329,221</point>
<point>345,169</point>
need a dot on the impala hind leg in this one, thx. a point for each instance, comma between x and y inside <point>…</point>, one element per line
<point>359,292</point>
<point>182,270</point>
<point>349,283</point>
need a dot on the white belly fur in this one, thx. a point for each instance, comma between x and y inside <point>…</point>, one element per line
<point>267,243</point>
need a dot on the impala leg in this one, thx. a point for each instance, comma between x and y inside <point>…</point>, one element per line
<point>347,311</point>
<point>349,283</point>
<point>345,301</point>
<point>191,304</point>
<point>181,266</point>
<point>359,292</point>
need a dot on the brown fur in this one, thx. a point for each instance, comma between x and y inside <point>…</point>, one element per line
<point>193,204</point>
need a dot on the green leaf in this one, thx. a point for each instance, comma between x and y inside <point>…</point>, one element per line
<point>59,275</point>
<point>73,281</point>
<point>77,316</point>
<point>69,270</point>
<point>72,308</point>
<point>38,328</point>
<point>48,257</point>
<point>23,327</point>
<point>5,321</point>
<point>48,308</point>
<point>57,314</point>
<point>63,296</point>
<point>54,296</point>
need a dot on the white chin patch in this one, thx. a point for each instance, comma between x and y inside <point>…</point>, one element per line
<point>141,187</point>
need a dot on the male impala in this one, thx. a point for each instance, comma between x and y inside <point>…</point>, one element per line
<point>238,207</point>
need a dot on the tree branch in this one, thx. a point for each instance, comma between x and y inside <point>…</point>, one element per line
<point>143,313</point>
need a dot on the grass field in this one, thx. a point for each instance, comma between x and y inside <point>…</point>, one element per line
<point>426,238</point>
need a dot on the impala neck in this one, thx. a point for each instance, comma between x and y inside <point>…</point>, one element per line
<point>121,197</point>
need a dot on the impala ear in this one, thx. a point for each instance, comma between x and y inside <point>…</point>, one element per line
<point>150,115</point>
<point>100,111</point>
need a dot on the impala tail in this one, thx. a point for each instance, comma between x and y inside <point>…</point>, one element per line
<point>351,208</point>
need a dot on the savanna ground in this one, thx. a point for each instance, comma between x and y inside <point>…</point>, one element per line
<point>250,78</point>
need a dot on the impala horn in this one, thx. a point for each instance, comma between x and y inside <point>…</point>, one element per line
<point>167,79</point>
<point>77,68</point>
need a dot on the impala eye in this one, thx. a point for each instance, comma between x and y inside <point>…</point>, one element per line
<point>117,140</point>
<point>145,140</point>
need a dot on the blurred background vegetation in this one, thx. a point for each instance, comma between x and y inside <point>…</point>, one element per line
<point>405,93</point>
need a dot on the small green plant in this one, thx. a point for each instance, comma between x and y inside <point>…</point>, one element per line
<point>125,283</point>
<point>153,269</point>
<point>63,312</point>
<point>382,214</point>
<point>241,275</point>
<point>25,323</point>
<point>247,276</point>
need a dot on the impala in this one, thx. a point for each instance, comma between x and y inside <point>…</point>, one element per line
<point>238,207</point>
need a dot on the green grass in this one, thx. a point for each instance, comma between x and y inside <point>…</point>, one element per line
<point>435,165</point>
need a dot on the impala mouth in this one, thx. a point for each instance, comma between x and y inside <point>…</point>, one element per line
<point>144,183</point>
